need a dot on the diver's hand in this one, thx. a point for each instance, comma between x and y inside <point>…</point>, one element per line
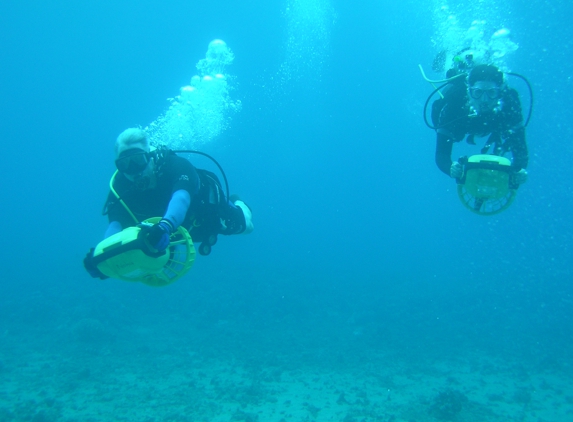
<point>158,236</point>
<point>91,268</point>
<point>519,177</point>
<point>456,170</point>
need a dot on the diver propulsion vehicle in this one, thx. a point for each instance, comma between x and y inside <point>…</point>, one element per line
<point>486,187</point>
<point>128,256</point>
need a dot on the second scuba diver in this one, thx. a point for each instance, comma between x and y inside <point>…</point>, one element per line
<point>480,103</point>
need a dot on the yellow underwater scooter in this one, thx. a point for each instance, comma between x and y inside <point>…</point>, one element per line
<point>486,187</point>
<point>128,256</point>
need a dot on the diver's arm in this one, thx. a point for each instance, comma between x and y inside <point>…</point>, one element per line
<point>113,228</point>
<point>519,149</point>
<point>444,145</point>
<point>186,185</point>
<point>178,206</point>
<point>515,133</point>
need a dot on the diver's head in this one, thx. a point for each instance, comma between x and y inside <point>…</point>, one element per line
<point>485,87</point>
<point>133,158</point>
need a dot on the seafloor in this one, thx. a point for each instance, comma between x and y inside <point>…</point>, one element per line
<point>90,370</point>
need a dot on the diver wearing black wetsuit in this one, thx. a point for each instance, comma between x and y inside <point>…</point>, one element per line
<point>483,106</point>
<point>158,183</point>
<point>209,213</point>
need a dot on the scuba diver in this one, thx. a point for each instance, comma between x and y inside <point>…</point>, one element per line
<point>159,183</point>
<point>476,101</point>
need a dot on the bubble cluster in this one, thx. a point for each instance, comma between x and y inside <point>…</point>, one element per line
<point>203,109</point>
<point>309,24</point>
<point>486,39</point>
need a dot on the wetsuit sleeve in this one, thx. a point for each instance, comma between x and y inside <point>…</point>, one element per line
<point>437,107</point>
<point>514,136</point>
<point>444,145</point>
<point>449,115</point>
<point>178,207</point>
<point>518,147</point>
<point>113,228</point>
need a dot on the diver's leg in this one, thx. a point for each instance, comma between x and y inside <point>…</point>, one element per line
<point>239,217</point>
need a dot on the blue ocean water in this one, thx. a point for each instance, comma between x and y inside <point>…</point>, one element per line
<point>363,264</point>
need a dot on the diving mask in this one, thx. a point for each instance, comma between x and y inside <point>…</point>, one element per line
<point>132,162</point>
<point>492,93</point>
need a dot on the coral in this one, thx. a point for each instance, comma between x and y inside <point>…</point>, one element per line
<point>447,405</point>
<point>89,330</point>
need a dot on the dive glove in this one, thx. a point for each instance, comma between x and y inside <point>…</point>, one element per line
<point>519,177</point>
<point>158,236</point>
<point>91,268</point>
<point>456,170</point>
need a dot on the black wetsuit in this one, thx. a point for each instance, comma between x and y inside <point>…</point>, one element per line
<point>209,213</point>
<point>451,117</point>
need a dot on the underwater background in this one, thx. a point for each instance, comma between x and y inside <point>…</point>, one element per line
<point>367,292</point>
